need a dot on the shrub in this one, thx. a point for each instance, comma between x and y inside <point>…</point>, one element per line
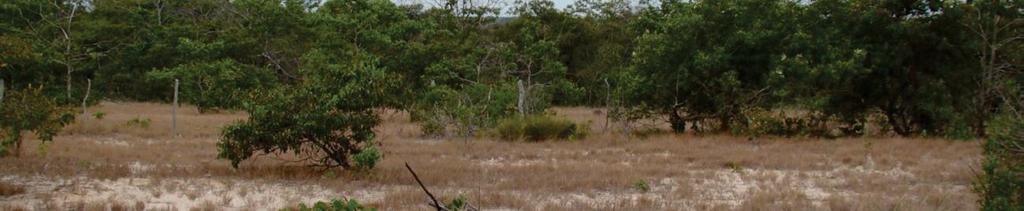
<point>959,129</point>
<point>1000,186</point>
<point>734,166</point>
<point>760,122</point>
<point>458,203</point>
<point>139,122</point>
<point>334,205</point>
<point>642,186</point>
<point>465,111</point>
<point>99,115</point>
<point>324,120</point>
<point>368,158</point>
<point>539,128</point>
<point>30,110</point>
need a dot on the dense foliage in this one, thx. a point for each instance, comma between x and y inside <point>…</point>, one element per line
<point>1000,185</point>
<point>29,110</point>
<point>703,64</point>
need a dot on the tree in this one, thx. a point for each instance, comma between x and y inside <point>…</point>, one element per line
<point>533,55</point>
<point>328,116</point>
<point>209,82</point>
<point>461,69</point>
<point>324,120</point>
<point>710,60</point>
<point>602,48</point>
<point>998,29</point>
<point>1000,186</point>
<point>29,110</point>
<point>907,57</point>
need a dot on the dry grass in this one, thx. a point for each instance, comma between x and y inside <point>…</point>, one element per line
<point>100,161</point>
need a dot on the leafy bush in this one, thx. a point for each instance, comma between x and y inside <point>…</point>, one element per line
<point>642,186</point>
<point>1000,186</point>
<point>138,122</point>
<point>324,120</point>
<point>539,128</point>
<point>761,122</point>
<point>368,158</point>
<point>959,129</point>
<point>734,166</point>
<point>466,110</point>
<point>30,110</point>
<point>334,205</point>
<point>99,115</point>
<point>458,203</point>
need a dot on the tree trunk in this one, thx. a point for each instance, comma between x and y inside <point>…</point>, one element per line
<point>68,81</point>
<point>88,88</point>
<point>2,89</point>
<point>898,122</point>
<point>725,122</point>
<point>677,122</point>
<point>17,143</point>
<point>521,104</point>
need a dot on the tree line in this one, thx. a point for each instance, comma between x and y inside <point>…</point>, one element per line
<point>926,67</point>
<point>306,69</point>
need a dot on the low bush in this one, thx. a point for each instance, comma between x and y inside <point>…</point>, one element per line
<point>539,128</point>
<point>139,122</point>
<point>760,122</point>
<point>642,186</point>
<point>458,203</point>
<point>368,158</point>
<point>334,205</point>
<point>30,110</point>
<point>325,120</point>
<point>1000,186</point>
<point>99,115</point>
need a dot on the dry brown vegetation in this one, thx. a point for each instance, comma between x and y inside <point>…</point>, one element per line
<point>103,164</point>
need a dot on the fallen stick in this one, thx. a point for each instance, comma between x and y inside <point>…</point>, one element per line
<point>432,198</point>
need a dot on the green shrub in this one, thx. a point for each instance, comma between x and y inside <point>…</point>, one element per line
<point>734,166</point>
<point>325,120</point>
<point>139,122</point>
<point>539,128</point>
<point>959,129</point>
<point>642,186</point>
<point>511,128</point>
<point>99,115</point>
<point>443,111</point>
<point>329,174</point>
<point>760,122</point>
<point>334,205</point>
<point>368,158</point>
<point>30,110</point>
<point>1000,186</point>
<point>458,203</point>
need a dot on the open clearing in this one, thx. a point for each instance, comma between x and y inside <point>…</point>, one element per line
<point>104,164</point>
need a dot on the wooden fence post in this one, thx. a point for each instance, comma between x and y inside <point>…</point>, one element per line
<point>521,103</point>
<point>88,88</point>
<point>174,111</point>
<point>607,105</point>
<point>2,89</point>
